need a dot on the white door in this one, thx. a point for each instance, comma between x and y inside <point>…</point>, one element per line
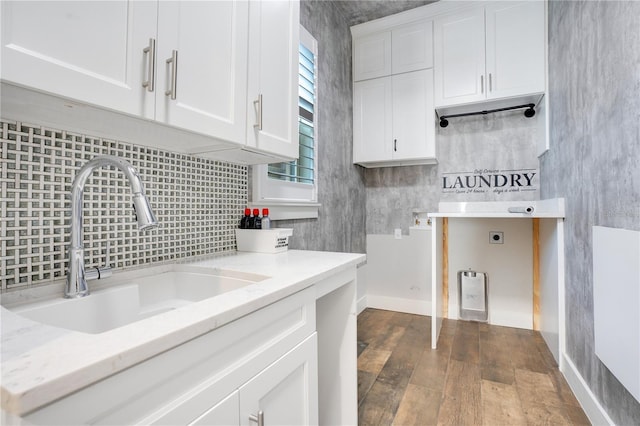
<point>413,115</point>
<point>372,120</point>
<point>372,56</point>
<point>83,50</point>
<point>412,47</point>
<point>274,37</point>
<point>286,392</point>
<point>209,42</point>
<point>459,57</point>
<point>515,48</point>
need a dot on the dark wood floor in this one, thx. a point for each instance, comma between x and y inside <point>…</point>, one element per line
<point>479,375</point>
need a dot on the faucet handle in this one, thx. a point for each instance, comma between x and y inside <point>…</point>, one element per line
<point>98,273</point>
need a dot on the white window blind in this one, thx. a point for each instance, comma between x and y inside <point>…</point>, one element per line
<point>302,170</point>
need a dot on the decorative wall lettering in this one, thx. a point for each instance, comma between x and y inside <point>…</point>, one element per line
<point>494,181</point>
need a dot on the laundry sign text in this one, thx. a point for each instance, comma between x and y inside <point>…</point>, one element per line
<point>490,180</point>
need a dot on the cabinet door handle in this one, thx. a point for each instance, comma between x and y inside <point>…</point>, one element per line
<point>258,102</point>
<point>259,419</point>
<point>150,52</point>
<point>395,144</point>
<point>490,83</point>
<point>173,77</point>
<point>482,84</point>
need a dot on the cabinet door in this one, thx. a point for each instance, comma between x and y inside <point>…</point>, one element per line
<point>224,413</point>
<point>372,120</point>
<point>515,48</point>
<point>286,392</point>
<point>412,47</point>
<point>88,51</point>
<point>274,37</point>
<point>210,41</point>
<point>372,56</point>
<point>459,57</point>
<point>413,115</point>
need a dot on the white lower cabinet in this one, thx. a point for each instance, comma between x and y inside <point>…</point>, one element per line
<point>282,394</point>
<point>265,361</point>
<point>285,393</point>
<point>224,413</point>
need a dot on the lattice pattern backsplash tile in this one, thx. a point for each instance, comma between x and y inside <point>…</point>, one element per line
<point>197,202</point>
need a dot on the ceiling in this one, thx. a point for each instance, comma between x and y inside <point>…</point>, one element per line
<point>359,11</point>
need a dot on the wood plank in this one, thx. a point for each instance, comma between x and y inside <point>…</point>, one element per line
<point>546,415</point>
<point>497,374</point>
<point>365,382</point>
<point>419,406</point>
<point>536,273</point>
<point>372,360</point>
<point>536,388</point>
<point>466,343</point>
<point>494,351</point>
<point>462,402</point>
<point>525,353</point>
<point>431,370</point>
<point>380,405</point>
<point>401,319</point>
<point>445,267</point>
<point>501,404</point>
<point>388,339</point>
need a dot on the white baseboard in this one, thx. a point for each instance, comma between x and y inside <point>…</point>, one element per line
<point>592,408</point>
<point>410,306</point>
<point>361,304</point>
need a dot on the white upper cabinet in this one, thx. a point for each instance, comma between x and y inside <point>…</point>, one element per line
<point>393,120</point>
<point>404,48</point>
<point>372,120</point>
<point>372,56</point>
<point>490,52</point>
<point>413,117</point>
<point>459,57</point>
<point>515,48</point>
<point>204,89</point>
<point>190,65</point>
<point>88,51</point>
<point>393,108</point>
<point>274,38</point>
<point>412,47</point>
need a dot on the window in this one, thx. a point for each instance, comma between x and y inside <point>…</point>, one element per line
<point>289,190</point>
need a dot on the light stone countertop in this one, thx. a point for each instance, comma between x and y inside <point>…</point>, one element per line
<point>41,363</point>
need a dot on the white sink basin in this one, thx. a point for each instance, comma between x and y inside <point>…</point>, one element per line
<point>135,300</point>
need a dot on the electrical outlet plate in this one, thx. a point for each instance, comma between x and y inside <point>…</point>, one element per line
<point>496,237</point>
<point>397,233</point>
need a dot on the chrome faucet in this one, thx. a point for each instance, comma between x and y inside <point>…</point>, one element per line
<point>77,277</point>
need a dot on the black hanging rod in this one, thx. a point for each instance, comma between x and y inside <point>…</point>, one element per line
<point>528,112</point>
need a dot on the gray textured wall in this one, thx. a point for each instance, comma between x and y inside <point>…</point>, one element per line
<point>504,141</point>
<point>341,222</point>
<point>594,160</point>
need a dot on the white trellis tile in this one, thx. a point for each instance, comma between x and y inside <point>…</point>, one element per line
<point>197,202</point>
